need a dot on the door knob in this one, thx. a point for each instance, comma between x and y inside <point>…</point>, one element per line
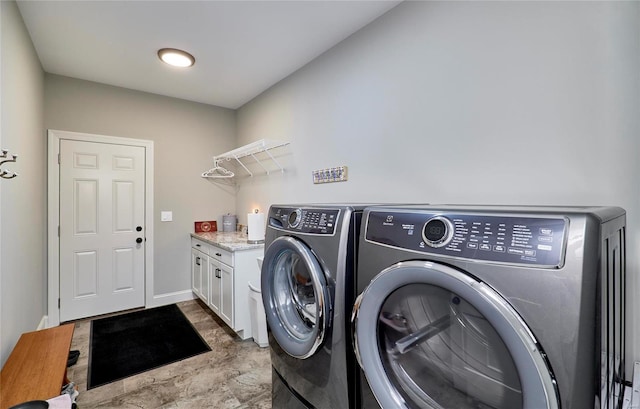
<point>139,228</point>
<point>139,240</point>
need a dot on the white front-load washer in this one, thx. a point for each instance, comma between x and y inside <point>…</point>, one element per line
<point>491,307</point>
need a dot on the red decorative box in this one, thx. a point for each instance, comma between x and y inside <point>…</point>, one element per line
<point>204,227</point>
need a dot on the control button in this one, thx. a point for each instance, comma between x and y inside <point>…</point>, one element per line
<point>516,251</point>
<point>498,248</point>
<point>530,253</point>
<point>545,239</point>
<point>485,247</point>
<point>472,246</point>
<point>546,231</point>
<point>544,247</point>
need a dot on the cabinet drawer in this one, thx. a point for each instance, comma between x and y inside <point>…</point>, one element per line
<point>200,245</point>
<point>221,255</point>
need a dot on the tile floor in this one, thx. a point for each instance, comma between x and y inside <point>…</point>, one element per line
<point>234,375</point>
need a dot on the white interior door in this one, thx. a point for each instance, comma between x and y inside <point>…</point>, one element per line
<point>102,246</point>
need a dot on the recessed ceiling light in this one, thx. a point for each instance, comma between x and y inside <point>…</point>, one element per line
<point>175,57</point>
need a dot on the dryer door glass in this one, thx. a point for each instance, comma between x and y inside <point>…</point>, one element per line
<point>430,336</point>
<point>439,351</point>
<point>295,295</point>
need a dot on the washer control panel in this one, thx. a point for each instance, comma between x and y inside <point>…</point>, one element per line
<point>505,239</point>
<point>304,220</point>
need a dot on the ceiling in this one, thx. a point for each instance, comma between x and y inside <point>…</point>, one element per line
<point>241,47</point>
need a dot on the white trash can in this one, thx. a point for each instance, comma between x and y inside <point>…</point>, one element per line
<point>258,317</point>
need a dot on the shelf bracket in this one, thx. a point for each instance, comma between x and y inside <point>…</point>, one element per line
<point>242,164</point>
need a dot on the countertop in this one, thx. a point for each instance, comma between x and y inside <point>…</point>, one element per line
<point>230,241</point>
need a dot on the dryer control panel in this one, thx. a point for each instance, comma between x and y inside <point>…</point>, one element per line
<point>504,239</point>
<point>304,220</point>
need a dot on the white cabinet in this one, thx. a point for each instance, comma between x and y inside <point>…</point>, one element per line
<point>226,295</point>
<point>227,282</point>
<point>221,267</point>
<point>215,295</point>
<point>200,273</point>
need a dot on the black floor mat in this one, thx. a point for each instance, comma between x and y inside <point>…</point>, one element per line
<point>129,344</point>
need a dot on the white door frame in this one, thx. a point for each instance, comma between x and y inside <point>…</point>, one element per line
<point>53,210</point>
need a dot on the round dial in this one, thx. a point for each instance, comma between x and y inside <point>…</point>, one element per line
<point>295,217</point>
<point>437,232</point>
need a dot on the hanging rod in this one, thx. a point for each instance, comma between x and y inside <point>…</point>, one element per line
<point>251,149</point>
<point>4,158</point>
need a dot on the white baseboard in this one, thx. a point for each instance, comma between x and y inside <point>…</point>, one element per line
<point>44,322</point>
<point>171,298</point>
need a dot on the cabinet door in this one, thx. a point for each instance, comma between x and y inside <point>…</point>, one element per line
<point>214,295</point>
<point>196,270</point>
<point>205,274</point>
<point>226,312</point>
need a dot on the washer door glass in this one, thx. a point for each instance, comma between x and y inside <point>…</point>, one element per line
<point>429,336</point>
<point>295,296</point>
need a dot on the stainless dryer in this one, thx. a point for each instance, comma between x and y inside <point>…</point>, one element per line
<point>308,293</point>
<point>491,307</point>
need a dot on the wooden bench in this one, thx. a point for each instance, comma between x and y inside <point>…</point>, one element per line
<point>37,366</point>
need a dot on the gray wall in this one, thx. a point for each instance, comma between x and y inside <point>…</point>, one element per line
<point>186,136</point>
<point>23,202</point>
<point>466,102</point>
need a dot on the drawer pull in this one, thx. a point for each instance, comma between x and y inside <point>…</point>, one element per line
<point>219,254</point>
<point>197,261</point>
<point>197,245</point>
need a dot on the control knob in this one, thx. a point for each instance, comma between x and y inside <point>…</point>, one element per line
<point>437,231</point>
<point>294,218</point>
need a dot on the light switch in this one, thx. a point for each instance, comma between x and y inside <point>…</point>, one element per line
<point>166,216</point>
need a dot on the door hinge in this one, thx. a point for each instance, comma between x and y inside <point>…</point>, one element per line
<point>58,303</point>
<point>58,231</point>
<point>58,159</point>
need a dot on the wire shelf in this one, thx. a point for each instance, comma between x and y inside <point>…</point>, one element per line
<point>249,150</point>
